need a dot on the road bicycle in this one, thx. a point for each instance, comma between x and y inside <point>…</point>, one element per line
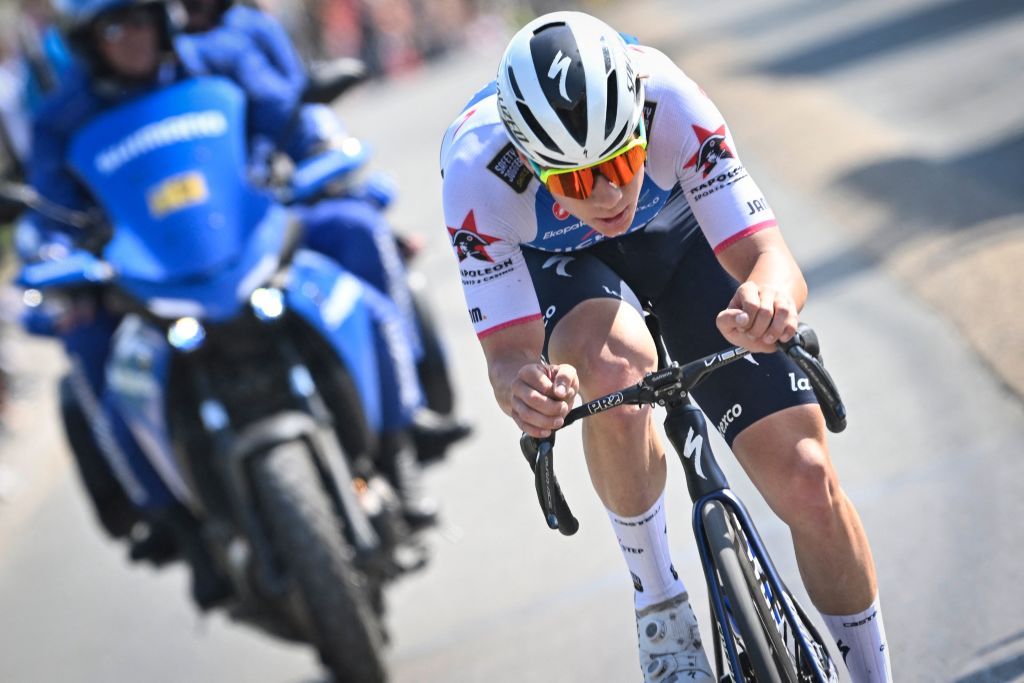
<point>761,631</point>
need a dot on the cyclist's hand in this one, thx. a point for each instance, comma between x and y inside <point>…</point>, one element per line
<point>758,317</point>
<point>542,396</point>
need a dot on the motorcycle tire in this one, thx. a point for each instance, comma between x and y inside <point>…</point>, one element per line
<point>310,545</point>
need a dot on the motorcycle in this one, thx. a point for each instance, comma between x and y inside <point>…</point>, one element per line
<point>243,365</point>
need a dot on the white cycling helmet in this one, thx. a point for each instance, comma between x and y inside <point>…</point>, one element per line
<point>568,91</point>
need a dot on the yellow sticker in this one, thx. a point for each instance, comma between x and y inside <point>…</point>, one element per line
<point>177,193</point>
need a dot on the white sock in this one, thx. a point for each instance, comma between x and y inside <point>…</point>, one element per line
<point>861,640</point>
<point>644,543</point>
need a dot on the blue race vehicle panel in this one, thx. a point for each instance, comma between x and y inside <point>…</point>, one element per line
<point>330,299</point>
<point>169,171</point>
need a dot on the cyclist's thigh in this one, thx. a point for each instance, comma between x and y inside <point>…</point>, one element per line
<point>564,280</point>
<point>738,395</point>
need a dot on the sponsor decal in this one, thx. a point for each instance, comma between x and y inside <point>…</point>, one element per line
<point>712,148</point>
<point>510,168</point>
<point>648,114</point>
<point>560,212</point>
<point>562,231</point>
<point>630,551</point>
<point>798,384</point>
<point>470,242</point>
<point>476,315</point>
<point>672,569</point>
<point>169,131</point>
<point>510,124</point>
<point>729,416</point>
<point>638,586</point>
<point>843,648</point>
<point>177,193</point>
<point>559,263</point>
<point>560,69</point>
<point>720,181</point>
<point>756,206</point>
<point>474,276</point>
<point>604,404</point>
<point>692,448</point>
<point>549,314</point>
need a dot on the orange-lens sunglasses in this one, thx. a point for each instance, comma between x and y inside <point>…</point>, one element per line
<point>619,168</point>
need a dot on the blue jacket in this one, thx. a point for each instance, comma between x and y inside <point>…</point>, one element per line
<point>272,112</point>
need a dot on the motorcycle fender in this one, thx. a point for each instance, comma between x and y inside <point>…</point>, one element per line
<point>330,299</point>
<point>137,375</point>
<point>261,436</point>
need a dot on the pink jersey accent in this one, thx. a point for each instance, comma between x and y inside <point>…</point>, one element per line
<point>749,231</point>
<point>510,323</point>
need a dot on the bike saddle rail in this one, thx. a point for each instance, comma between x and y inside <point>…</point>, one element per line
<point>666,385</point>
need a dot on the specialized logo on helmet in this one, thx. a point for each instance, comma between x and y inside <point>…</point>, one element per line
<point>712,148</point>
<point>468,242</point>
<point>560,68</point>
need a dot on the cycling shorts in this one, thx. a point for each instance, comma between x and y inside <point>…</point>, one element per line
<point>669,267</point>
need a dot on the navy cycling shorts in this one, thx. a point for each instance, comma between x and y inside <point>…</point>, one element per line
<point>669,267</point>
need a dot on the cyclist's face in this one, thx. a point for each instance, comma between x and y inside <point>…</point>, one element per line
<point>129,42</point>
<point>609,209</point>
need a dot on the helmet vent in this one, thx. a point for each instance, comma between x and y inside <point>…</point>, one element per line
<point>619,140</point>
<point>515,85</point>
<point>575,120</point>
<point>536,128</point>
<point>613,105</point>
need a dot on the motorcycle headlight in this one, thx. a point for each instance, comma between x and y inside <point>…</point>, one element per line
<point>186,334</point>
<point>267,303</point>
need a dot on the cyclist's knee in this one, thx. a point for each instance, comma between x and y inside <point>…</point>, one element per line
<point>809,496</point>
<point>608,344</point>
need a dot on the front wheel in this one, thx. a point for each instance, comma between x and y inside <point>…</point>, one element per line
<point>309,544</point>
<point>767,637</point>
<point>760,648</point>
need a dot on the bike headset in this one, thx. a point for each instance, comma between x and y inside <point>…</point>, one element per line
<point>77,19</point>
<point>570,99</point>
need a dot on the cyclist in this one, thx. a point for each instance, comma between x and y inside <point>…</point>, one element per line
<point>592,179</point>
<point>126,48</point>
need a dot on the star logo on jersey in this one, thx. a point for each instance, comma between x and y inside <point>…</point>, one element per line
<point>469,242</point>
<point>712,148</point>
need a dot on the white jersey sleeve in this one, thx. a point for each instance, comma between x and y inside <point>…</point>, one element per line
<point>690,137</point>
<point>487,221</point>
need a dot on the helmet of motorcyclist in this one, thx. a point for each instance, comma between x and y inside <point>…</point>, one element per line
<point>568,90</point>
<point>93,27</point>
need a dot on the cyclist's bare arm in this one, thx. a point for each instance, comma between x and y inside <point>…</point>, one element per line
<point>767,304</point>
<point>535,394</point>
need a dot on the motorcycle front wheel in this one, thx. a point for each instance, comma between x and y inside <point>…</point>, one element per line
<point>310,546</point>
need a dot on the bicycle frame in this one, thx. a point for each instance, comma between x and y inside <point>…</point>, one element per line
<point>686,429</point>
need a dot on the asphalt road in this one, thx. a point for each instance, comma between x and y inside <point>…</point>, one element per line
<point>932,457</point>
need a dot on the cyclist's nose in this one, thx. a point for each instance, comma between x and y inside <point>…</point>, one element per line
<point>605,194</point>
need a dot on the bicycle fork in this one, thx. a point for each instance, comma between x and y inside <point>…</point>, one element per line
<point>686,429</point>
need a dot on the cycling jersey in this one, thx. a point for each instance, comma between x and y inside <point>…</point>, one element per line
<point>494,205</point>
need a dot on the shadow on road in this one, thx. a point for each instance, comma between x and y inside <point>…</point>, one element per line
<point>1006,669</point>
<point>952,195</point>
<point>899,33</point>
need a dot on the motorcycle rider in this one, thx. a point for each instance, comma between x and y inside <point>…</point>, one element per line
<point>124,49</point>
